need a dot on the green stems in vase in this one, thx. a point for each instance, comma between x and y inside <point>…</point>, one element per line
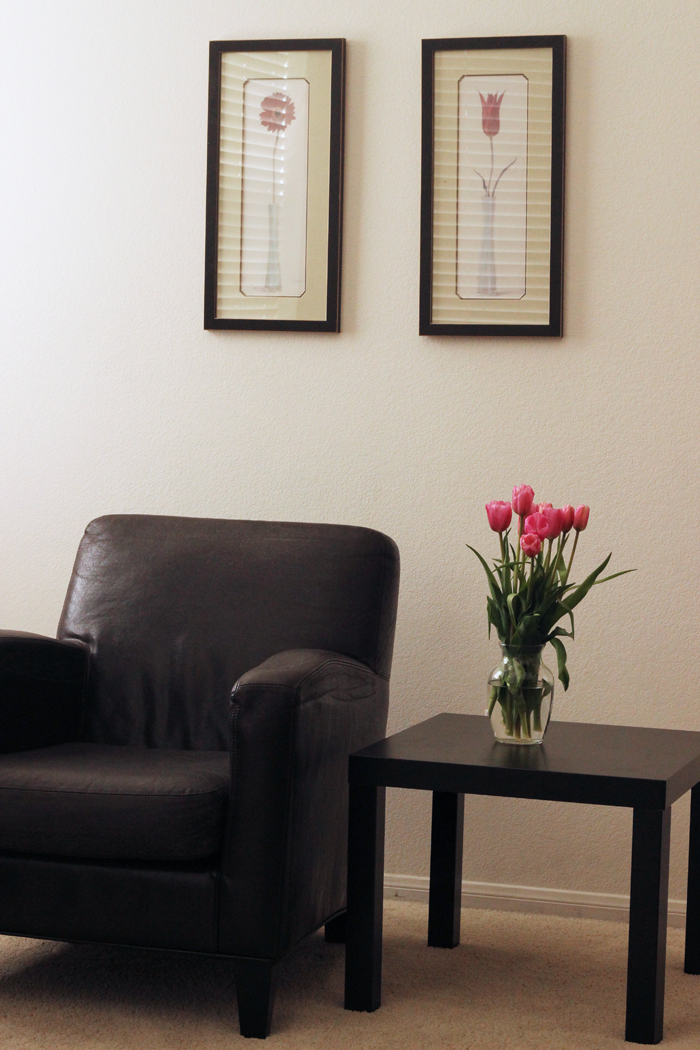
<point>526,607</point>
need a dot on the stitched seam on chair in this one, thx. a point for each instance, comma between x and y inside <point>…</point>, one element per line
<point>85,692</point>
<point>341,663</point>
<point>228,817</point>
<point>234,746</point>
<point>380,619</point>
<point>289,810</point>
<point>348,662</point>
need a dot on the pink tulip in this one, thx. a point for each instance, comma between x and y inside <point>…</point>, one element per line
<point>538,524</point>
<point>499,515</point>
<point>555,521</point>
<point>581,515</point>
<point>568,512</point>
<point>523,496</point>
<point>491,113</point>
<point>541,507</point>
<point>531,544</point>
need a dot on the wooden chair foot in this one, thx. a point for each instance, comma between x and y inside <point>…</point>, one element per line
<point>255,991</point>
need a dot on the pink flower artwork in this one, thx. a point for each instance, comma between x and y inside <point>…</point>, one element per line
<point>491,113</point>
<point>277,112</point>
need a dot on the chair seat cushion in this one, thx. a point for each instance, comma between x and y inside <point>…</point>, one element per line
<point>99,801</point>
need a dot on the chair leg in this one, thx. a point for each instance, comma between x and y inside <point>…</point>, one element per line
<point>255,991</point>
<point>335,930</point>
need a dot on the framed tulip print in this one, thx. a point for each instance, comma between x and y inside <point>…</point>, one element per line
<point>274,185</point>
<point>492,200</point>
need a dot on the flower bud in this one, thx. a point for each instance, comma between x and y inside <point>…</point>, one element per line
<point>531,544</point>
<point>581,517</point>
<point>555,521</point>
<point>568,512</point>
<point>523,496</point>
<point>537,524</point>
<point>499,514</point>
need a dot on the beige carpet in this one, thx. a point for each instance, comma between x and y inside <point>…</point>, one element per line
<point>516,981</point>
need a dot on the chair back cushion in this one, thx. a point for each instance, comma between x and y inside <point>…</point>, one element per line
<point>174,610</point>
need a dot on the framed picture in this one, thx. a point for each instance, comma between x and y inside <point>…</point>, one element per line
<point>274,185</point>
<point>492,193</point>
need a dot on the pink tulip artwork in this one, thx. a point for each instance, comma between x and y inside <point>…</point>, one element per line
<point>492,169</point>
<point>491,125</point>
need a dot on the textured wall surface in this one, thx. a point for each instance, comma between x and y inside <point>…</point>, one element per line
<point>113,398</point>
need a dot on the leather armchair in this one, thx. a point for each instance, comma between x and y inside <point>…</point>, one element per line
<point>173,767</point>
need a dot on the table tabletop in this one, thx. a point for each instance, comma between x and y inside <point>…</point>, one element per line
<point>577,762</point>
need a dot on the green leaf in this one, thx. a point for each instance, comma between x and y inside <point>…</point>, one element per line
<point>559,632</point>
<point>561,568</point>
<point>514,676</point>
<point>582,590</point>
<point>496,592</point>
<point>562,672</point>
<point>554,614</point>
<point>496,617</point>
<point>513,601</point>
<point>614,575</point>
<point>527,632</point>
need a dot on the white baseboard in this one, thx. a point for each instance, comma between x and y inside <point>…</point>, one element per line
<point>576,904</point>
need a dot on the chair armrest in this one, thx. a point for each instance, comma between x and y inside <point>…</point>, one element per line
<point>294,720</point>
<point>42,690</point>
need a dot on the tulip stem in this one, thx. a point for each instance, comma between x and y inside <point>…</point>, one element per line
<point>504,571</point>
<point>493,194</point>
<point>519,575</point>
<point>571,559</point>
<point>549,554</point>
<point>552,569</point>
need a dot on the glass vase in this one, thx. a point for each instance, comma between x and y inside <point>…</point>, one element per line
<point>520,692</point>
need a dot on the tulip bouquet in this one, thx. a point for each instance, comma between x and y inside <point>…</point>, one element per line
<point>530,594</point>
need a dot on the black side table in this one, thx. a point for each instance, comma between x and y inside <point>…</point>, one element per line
<point>644,769</point>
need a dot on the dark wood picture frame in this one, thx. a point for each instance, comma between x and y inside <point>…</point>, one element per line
<point>460,293</point>
<point>315,225</point>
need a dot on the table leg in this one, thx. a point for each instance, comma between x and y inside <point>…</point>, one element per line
<point>692,918</point>
<point>363,951</point>
<point>646,963</point>
<point>446,869</point>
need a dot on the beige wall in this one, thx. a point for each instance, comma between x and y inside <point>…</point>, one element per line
<point>114,398</point>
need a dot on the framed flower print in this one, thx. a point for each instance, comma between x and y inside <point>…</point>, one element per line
<point>492,186</point>
<point>274,185</point>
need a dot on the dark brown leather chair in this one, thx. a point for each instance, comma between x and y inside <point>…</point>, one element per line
<point>173,767</point>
